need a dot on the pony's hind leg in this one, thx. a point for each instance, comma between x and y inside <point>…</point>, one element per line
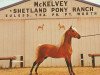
<point>32,67</point>
<point>39,62</point>
<point>37,68</point>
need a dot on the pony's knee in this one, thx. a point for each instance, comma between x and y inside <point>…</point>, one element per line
<point>34,63</point>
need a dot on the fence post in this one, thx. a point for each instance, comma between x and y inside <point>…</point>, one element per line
<point>21,63</point>
<point>82,61</point>
<point>93,61</point>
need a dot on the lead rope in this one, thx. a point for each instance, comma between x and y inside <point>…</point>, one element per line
<point>90,35</point>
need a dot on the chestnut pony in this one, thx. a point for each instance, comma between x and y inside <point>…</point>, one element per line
<point>64,51</point>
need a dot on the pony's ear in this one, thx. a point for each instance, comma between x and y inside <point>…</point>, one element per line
<point>70,27</point>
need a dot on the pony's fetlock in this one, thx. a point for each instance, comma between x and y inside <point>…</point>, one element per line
<point>36,73</point>
<point>30,73</point>
<point>72,73</point>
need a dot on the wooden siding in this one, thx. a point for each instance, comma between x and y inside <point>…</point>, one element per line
<point>22,38</point>
<point>11,39</point>
<point>90,26</point>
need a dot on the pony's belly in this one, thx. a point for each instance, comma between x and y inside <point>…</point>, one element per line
<point>55,54</point>
<point>59,54</point>
<point>57,57</point>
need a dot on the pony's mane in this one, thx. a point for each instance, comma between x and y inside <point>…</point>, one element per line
<point>62,39</point>
<point>74,29</point>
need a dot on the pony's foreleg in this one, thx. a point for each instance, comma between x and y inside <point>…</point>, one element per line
<point>32,68</point>
<point>68,66</point>
<point>71,68</point>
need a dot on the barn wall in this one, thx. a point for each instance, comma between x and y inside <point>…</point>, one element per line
<point>22,38</point>
<point>89,26</point>
<point>11,39</point>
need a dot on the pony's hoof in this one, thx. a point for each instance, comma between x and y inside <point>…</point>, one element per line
<point>36,73</point>
<point>30,74</point>
<point>72,73</point>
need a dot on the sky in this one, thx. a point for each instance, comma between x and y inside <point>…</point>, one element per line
<point>94,1</point>
<point>4,3</point>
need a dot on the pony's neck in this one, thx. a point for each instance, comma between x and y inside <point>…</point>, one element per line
<point>67,40</point>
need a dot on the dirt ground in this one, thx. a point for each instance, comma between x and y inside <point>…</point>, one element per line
<point>52,71</point>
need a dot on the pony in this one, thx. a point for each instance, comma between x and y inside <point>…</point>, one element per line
<point>63,51</point>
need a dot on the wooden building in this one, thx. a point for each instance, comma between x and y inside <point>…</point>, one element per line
<point>21,29</point>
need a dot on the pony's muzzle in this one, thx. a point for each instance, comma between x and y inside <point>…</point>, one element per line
<point>79,36</point>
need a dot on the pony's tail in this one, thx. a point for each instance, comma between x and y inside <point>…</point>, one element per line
<point>37,51</point>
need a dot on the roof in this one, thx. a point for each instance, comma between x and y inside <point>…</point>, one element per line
<point>20,2</point>
<point>86,2</point>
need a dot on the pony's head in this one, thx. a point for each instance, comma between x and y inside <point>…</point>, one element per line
<point>72,32</point>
